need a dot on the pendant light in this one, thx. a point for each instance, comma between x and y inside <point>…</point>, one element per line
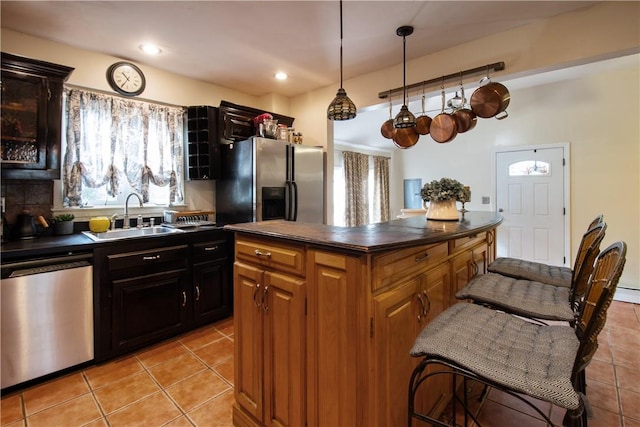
<point>404,119</point>
<point>341,108</point>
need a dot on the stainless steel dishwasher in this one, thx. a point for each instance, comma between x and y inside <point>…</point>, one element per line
<point>47,316</point>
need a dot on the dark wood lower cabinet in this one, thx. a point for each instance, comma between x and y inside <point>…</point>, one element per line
<point>159,288</point>
<point>148,308</point>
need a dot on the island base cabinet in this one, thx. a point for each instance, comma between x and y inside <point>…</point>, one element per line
<point>399,316</point>
<point>269,321</point>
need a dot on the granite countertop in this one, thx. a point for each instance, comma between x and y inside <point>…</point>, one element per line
<point>43,246</point>
<point>394,234</point>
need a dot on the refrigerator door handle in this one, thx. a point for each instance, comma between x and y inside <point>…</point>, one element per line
<point>288,200</point>
<point>294,201</point>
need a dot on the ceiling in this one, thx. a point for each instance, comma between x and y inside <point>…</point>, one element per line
<point>241,44</point>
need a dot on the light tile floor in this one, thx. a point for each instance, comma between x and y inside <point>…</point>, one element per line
<point>188,381</point>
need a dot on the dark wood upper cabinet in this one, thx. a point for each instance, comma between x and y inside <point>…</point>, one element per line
<point>31,112</point>
<point>236,121</point>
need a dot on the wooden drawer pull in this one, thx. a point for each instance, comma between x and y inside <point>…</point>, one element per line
<point>422,258</point>
<point>264,254</point>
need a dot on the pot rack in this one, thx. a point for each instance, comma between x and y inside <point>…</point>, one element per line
<point>496,66</point>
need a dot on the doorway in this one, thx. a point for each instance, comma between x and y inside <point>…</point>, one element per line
<point>532,196</point>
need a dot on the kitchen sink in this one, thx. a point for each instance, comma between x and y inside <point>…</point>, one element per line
<point>130,233</point>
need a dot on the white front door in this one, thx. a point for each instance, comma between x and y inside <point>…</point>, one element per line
<point>530,196</point>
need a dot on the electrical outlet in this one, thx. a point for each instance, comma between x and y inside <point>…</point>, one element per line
<point>486,200</point>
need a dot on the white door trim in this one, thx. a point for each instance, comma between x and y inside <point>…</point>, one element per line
<point>567,185</point>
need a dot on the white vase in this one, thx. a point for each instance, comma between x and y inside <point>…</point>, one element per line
<point>445,210</point>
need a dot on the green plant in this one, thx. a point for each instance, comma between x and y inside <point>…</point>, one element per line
<point>63,217</point>
<point>445,189</point>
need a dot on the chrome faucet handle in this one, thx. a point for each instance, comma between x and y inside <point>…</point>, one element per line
<point>114,217</point>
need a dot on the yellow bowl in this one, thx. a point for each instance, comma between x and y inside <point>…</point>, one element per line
<point>99,224</point>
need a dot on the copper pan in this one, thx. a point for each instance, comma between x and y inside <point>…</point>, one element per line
<point>423,123</point>
<point>465,117</point>
<point>387,130</point>
<point>444,126</point>
<point>406,137</point>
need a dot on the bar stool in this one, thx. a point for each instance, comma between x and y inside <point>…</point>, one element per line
<point>544,273</point>
<point>517,356</point>
<point>535,299</point>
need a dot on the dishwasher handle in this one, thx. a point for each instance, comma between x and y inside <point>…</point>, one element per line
<point>43,265</point>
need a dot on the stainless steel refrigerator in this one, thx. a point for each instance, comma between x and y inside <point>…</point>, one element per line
<point>263,179</point>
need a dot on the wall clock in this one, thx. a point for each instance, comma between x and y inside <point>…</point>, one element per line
<point>126,78</point>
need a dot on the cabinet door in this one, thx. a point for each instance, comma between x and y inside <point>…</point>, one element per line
<point>461,273</point>
<point>148,308</point>
<point>212,293</point>
<point>283,311</point>
<point>480,257</point>
<point>398,317</point>
<point>248,333</point>
<point>437,390</point>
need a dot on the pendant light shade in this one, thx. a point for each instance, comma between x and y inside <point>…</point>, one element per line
<point>404,119</point>
<point>341,108</point>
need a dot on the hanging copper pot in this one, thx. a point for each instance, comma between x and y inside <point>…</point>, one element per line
<point>387,130</point>
<point>490,100</point>
<point>406,137</point>
<point>444,126</point>
<point>465,117</point>
<point>423,123</point>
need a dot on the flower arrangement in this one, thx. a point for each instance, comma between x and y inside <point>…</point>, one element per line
<point>445,189</point>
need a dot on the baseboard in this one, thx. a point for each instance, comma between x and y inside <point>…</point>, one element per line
<point>627,295</point>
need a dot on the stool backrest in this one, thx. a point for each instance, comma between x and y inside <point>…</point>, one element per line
<point>593,308</point>
<point>597,220</point>
<point>583,267</point>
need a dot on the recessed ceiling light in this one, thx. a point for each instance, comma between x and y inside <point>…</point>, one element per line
<point>150,49</point>
<point>281,76</point>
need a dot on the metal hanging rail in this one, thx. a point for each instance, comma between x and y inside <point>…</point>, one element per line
<point>496,66</point>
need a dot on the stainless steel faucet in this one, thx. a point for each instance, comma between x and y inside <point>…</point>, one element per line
<point>126,208</point>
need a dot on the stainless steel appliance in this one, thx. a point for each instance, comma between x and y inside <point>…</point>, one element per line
<point>47,316</point>
<point>266,179</point>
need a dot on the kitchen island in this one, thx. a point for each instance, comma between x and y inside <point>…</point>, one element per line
<point>324,316</point>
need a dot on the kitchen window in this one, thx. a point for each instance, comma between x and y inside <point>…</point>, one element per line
<point>113,146</point>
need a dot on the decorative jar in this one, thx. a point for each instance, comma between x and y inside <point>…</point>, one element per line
<point>444,210</point>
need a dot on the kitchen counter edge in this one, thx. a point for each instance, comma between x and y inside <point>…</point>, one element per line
<point>394,234</point>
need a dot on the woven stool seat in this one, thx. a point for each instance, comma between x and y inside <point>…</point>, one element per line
<point>529,358</point>
<point>554,275</point>
<point>530,270</point>
<point>523,297</point>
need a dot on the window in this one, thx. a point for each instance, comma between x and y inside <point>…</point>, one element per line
<point>113,146</point>
<point>529,167</point>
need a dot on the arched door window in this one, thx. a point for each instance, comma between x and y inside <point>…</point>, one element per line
<point>530,168</point>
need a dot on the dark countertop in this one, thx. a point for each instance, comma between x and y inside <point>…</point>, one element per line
<point>394,234</point>
<point>55,245</point>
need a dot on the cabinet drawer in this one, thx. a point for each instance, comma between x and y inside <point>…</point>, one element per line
<point>159,259</point>
<point>208,251</point>
<point>465,242</point>
<point>390,268</point>
<point>288,258</point>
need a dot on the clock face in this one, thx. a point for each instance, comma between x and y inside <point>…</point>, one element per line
<point>126,79</point>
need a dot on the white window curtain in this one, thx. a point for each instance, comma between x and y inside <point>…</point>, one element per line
<point>380,189</point>
<point>109,139</point>
<point>356,174</point>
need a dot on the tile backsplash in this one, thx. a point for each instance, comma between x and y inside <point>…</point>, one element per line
<point>36,196</point>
